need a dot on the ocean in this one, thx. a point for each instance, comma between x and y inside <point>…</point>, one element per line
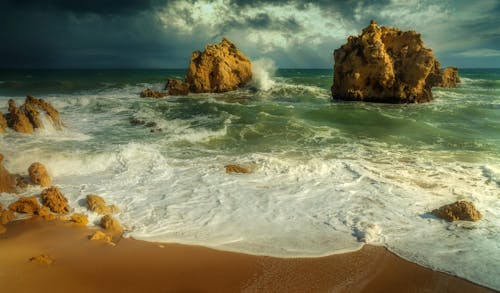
<point>329,176</point>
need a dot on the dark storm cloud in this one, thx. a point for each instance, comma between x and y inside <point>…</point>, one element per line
<point>161,33</point>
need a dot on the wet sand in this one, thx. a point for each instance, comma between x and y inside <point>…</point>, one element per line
<point>81,265</point>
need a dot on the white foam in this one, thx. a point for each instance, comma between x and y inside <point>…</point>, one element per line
<point>262,72</point>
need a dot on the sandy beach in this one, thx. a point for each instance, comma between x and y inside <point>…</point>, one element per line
<point>81,265</point>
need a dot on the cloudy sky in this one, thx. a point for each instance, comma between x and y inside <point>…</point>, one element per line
<point>295,34</point>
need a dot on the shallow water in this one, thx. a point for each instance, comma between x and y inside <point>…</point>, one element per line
<point>328,176</point>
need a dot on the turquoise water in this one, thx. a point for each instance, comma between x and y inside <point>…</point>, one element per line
<point>328,176</point>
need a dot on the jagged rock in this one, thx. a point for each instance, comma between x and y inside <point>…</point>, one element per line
<point>45,214</point>
<point>80,219</point>
<point>460,210</point>
<point>3,123</point>
<point>98,205</point>
<point>26,205</point>
<point>21,182</point>
<point>219,68</point>
<point>176,87</point>
<point>136,121</point>
<point>384,65</point>
<point>39,175</point>
<point>26,118</point>
<point>42,259</point>
<point>55,200</point>
<point>7,180</point>
<point>237,169</point>
<point>447,77</point>
<point>149,93</point>
<point>99,235</point>
<point>17,119</point>
<point>111,224</point>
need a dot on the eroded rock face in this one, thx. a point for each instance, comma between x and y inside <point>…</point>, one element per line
<point>7,180</point>
<point>39,175</point>
<point>28,116</point>
<point>458,211</point>
<point>111,224</point>
<point>26,205</point>
<point>219,68</point>
<point>447,77</point>
<point>176,87</point>
<point>17,119</point>
<point>384,65</point>
<point>3,123</point>
<point>98,205</point>
<point>149,93</point>
<point>55,200</point>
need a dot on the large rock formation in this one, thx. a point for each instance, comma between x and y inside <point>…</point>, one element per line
<point>7,180</point>
<point>447,77</point>
<point>219,68</point>
<point>385,65</point>
<point>28,116</point>
<point>460,210</point>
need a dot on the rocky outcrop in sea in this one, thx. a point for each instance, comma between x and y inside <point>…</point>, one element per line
<point>388,65</point>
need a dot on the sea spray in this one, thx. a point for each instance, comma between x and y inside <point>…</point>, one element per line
<point>262,72</point>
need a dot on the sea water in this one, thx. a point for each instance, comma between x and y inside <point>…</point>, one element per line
<point>328,176</point>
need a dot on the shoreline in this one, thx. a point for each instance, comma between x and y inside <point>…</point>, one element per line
<point>82,265</point>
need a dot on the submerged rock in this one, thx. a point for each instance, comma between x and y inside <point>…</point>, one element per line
<point>97,204</point>
<point>458,211</point>
<point>111,224</point>
<point>149,93</point>
<point>26,205</point>
<point>237,169</point>
<point>219,68</point>
<point>55,200</point>
<point>176,87</point>
<point>7,180</point>
<point>385,65</point>
<point>39,175</point>
<point>42,259</point>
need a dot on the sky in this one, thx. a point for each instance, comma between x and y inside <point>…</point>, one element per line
<point>294,34</point>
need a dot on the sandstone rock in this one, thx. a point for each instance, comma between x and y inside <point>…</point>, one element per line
<point>27,117</point>
<point>3,123</point>
<point>80,219</point>
<point>460,210</point>
<point>98,205</point>
<point>45,214</point>
<point>219,68</point>
<point>17,119</point>
<point>7,180</point>
<point>33,107</point>
<point>111,224</point>
<point>2,229</point>
<point>39,175</point>
<point>21,182</point>
<point>176,87</point>
<point>447,77</point>
<point>55,200</point>
<point>237,169</point>
<point>384,65</point>
<point>149,93</point>
<point>26,205</point>
<point>99,235</point>
<point>6,216</point>
<point>42,259</point>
